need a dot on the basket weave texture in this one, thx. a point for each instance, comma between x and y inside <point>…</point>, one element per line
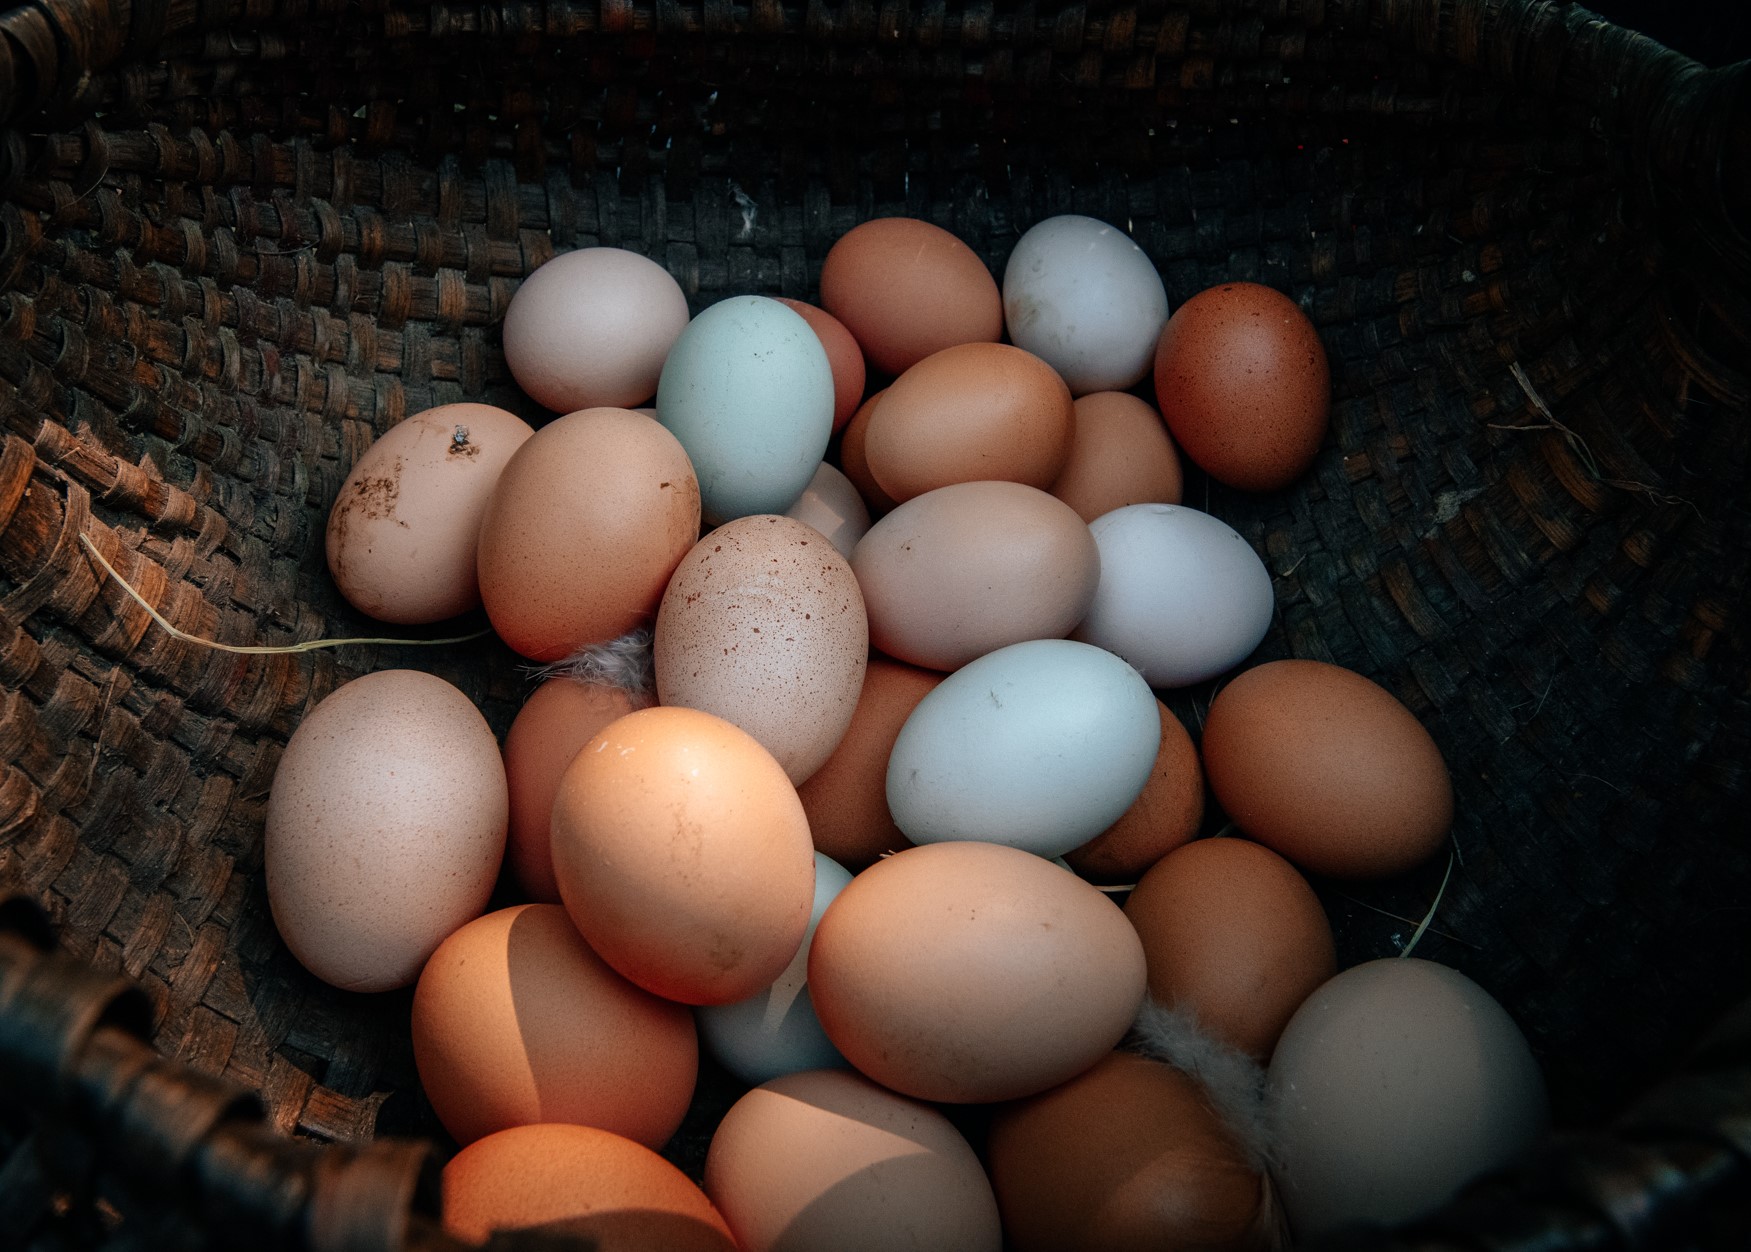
<point>239,241</point>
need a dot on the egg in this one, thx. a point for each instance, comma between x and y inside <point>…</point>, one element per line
<point>1129,1155</point>
<point>748,391</point>
<point>401,535</point>
<point>1181,596</point>
<point>517,1021</point>
<point>1040,745</point>
<point>1081,295</point>
<point>854,460</point>
<point>591,328</point>
<point>1164,816</point>
<point>1120,454</point>
<point>1232,934</point>
<point>1242,380</point>
<point>683,855</point>
<point>972,412</point>
<point>972,972</point>
<point>847,798</point>
<point>557,719</point>
<point>1328,769</point>
<point>905,288</point>
<point>775,1031</point>
<point>763,625</point>
<point>966,569</point>
<point>589,519</point>
<point>578,1183</point>
<point>827,1159</point>
<point>385,828</point>
<point>832,505</point>
<point>1395,1084</point>
<point>843,355</point>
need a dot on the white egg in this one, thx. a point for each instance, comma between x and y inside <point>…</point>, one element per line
<point>1040,745</point>
<point>831,505</point>
<point>1182,596</point>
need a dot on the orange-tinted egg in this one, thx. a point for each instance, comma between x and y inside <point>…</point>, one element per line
<point>843,355</point>
<point>854,457</point>
<point>1232,933</point>
<point>1328,769</point>
<point>1165,816</point>
<point>1121,454</point>
<point>1243,382</point>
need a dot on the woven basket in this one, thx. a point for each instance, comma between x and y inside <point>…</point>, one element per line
<point>242,238</point>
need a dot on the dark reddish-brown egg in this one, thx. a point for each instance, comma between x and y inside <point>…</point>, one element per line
<point>1327,769</point>
<point>1234,935</point>
<point>905,288</point>
<point>1165,816</point>
<point>843,354</point>
<point>1243,382</point>
<point>1120,455</point>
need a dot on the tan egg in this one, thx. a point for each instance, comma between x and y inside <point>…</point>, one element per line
<point>973,972</point>
<point>966,569</point>
<point>971,413</point>
<point>385,828</point>
<point>517,1021</point>
<point>905,288</point>
<point>847,798</point>
<point>560,717</point>
<point>401,535</point>
<point>827,1159</point>
<point>843,355</point>
<point>763,625</point>
<point>683,855</point>
<point>854,461</point>
<point>1166,815</point>
<point>1243,383</point>
<point>1128,1157</point>
<point>1234,934</point>
<point>1121,455</point>
<point>1328,769</point>
<point>583,1182</point>
<point>589,520</point>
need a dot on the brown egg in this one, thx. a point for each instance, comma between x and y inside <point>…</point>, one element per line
<point>589,519</point>
<point>1128,1157</point>
<point>516,1020</point>
<point>1121,455</point>
<point>763,625</point>
<point>827,1159</point>
<point>854,460</point>
<point>843,355</point>
<point>581,1182</point>
<point>1165,816</point>
<point>683,855</point>
<point>847,798</point>
<point>1327,769</point>
<point>966,569</point>
<point>401,536</point>
<point>1242,379</point>
<point>974,412</point>
<point>557,719</point>
<point>973,972</point>
<point>905,288</point>
<point>1232,933</point>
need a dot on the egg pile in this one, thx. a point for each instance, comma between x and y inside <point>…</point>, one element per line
<point>838,798</point>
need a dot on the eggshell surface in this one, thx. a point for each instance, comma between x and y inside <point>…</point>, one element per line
<point>581,1182</point>
<point>1165,816</point>
<point>517,1021</point>
<point>966,569</point>
<point>1328,769</point>
<point>385,828</point>
<point>832,505</point>
<point>763,625</point>
<point>590,518</point>
<point>1120,455</point>
<point>683,855</point>
<point>590,329</point>
<point>1395,1084</point>
<point>827,1159</point>
<point>401,535</point>
<point>854,460</point>
<point>1234,935</point>
<point>748,391</point>
<point>1040,745</point>
<point>972,972</point>
<point>1182,596</point>
<point>843,355</point>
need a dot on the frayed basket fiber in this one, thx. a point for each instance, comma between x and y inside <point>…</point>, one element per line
<point>239,239</point>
